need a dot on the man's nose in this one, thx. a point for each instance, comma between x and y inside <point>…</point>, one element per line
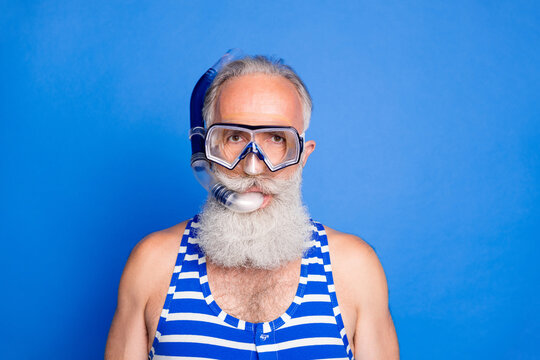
<point>252,165</point>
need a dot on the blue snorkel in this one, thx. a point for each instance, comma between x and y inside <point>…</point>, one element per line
<point>246,202</point>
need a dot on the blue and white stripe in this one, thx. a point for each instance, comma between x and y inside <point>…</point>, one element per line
<point>193,326</point>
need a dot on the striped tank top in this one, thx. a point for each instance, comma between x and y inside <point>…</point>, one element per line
<point>193,326</point>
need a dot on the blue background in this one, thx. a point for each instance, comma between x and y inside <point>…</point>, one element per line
<point>428,139</point>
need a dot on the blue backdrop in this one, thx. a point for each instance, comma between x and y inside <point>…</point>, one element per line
<point>428,139</point>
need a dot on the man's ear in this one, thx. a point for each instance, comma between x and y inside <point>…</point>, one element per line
<point>309,146</point>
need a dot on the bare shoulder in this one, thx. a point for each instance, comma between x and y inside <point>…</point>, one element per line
<point>355,262</point>
<point>157,244</point>
<point>149,259</point>
<point>343,243</point>
<point>146,270</point>
<point>361,287</point>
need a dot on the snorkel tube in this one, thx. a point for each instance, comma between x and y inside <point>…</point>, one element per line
<point>246,202</point>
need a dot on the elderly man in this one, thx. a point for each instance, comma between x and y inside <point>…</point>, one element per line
<point>262,284</point>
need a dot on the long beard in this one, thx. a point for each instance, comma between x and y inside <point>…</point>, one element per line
<point>266,238</point>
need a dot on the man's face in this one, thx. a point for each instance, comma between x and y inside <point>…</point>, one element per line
<point>260,99</point>
<point>280,231</point>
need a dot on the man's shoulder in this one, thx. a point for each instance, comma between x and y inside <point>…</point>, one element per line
<point>348,246</point>
<point>150,260</point>
<point>354,262</point>
<point>159,243</point>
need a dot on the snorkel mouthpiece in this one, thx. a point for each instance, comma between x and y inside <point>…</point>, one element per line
<point>246,202</point>
<point>243,203</point>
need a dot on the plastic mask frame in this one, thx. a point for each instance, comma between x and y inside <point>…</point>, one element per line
<point>252,146</point>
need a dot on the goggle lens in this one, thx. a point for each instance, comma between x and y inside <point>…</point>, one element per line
<point>228,144</point>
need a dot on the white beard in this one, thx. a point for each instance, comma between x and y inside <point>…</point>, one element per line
<point>266,238</point>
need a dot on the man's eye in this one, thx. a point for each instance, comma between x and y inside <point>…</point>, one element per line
<point>277,139</point>
<point>234,138</point>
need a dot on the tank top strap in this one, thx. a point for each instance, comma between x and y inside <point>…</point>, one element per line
<point>321,243</point>
<point>182,251</point>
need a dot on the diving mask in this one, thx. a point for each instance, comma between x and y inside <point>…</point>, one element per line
<point>277,146</point>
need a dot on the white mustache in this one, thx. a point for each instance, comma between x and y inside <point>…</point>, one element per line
<point>266,185</point>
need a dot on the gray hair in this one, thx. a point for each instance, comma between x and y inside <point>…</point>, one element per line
<point>255,65</point>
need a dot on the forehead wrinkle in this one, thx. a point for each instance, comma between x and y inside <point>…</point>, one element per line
<point>256,98</point>
<point>255,116</point>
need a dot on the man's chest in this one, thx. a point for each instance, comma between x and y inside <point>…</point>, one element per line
<point>254,295</point>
